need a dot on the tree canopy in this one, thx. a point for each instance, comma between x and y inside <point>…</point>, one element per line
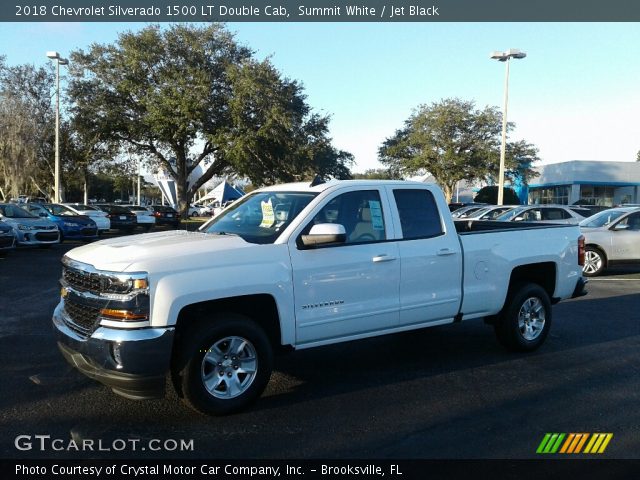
<point>196,104</point>
<point>489,194</point>
<point>453,141</point>
<point>26,130</point>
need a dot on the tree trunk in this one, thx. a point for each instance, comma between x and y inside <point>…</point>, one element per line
<point>448,191</point>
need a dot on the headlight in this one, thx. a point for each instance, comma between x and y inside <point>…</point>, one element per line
<point>71,224</point>
<point>122,284</point>
<point>24,227</point>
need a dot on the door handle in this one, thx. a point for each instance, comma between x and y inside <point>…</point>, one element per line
<point>446,251</point>
<point>382,258</point>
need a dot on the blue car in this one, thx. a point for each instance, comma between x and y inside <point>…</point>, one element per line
<point>7,238</point>
<point>71,225</point>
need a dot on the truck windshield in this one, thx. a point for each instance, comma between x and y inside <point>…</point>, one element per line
<point>601,219</point>
<point>259,217</point>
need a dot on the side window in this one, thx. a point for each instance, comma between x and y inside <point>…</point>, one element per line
<point>359,212</point>
<point>532,215</point>
<point>419,216</point>
<point>633,221</point>
<point>554,214</point>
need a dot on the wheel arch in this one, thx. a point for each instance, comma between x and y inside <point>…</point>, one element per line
<point>261,308</point>
<point>543,274</point>
<point>605,258</point>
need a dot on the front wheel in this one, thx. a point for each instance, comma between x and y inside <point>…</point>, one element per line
<point>594,262</point>
<point>524,323</point>
<point>226,364</point>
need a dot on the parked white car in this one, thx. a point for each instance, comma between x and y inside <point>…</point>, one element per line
<point>144,216</point>
<point>490,212</point>
<point>102,221</point>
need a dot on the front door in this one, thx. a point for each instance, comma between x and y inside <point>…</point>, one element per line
<point>348,289</point>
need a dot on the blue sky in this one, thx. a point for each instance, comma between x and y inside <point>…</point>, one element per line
<point>575,96</point>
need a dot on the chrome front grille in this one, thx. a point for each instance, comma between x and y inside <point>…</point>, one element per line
<point>83,318</point>
<point>80,280</point>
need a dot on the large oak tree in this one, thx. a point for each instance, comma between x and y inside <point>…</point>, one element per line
<point>198,105</point>
<point>453,141</point>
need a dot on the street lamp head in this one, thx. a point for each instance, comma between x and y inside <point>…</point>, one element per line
<point>63,61</point>
<point>498,56</point>
<point>53,55</point>
<point>515,53</point>
<point>504,56</point>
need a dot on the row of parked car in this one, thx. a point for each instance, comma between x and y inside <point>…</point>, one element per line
<point>612,235</point>
<point>45,224</point>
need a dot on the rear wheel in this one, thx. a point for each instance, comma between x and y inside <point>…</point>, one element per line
<point>594,262</point>
<point>225,365</point>
<point>524,323</point>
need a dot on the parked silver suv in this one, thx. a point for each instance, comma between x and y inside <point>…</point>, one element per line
<point>565,214</point>
<point>611,236</point>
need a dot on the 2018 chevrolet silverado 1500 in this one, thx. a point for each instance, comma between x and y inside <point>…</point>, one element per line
<point>301,265</point>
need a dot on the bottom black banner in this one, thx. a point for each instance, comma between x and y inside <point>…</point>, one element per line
<point>322,469</point>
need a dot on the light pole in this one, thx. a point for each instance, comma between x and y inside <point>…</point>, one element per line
<point>59,61</point>
<point>505,57</point>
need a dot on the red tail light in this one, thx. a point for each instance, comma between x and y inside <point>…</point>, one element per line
<point>581,250</point>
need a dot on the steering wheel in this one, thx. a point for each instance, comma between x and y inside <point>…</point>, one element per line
<point>365,237</point>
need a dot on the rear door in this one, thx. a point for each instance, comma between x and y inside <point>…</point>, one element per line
<point>348,289</point>
<point>625,244</point>
<point>431,258</point>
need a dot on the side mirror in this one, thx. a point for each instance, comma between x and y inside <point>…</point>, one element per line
<point>621,226</point>
<point>324,234</point>
<point>42,214</point>
<point>518,219</point>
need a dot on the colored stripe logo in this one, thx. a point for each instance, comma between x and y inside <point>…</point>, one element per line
<point>592,443</point>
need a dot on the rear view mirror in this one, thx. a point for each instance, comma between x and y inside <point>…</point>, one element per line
<point>324,234</point>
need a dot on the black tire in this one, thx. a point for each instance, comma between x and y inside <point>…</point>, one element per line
<point>524,336</point>
<point>210,338</point>
<point>595,261</point>
<point>147,228</point>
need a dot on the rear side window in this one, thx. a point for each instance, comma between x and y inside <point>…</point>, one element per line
<point>555,214</point>
<point>419,216</point>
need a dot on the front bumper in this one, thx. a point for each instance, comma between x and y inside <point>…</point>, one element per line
<point>37,237</point>
<point>134,363</point>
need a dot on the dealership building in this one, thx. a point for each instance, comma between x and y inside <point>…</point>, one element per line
<point>585,182</point>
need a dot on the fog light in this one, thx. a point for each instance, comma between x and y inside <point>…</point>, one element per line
<point>115,353</point>
<point>123,314</point>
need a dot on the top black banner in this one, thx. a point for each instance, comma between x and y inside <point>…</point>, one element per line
<point>320,11</point>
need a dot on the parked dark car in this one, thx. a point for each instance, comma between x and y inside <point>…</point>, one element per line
<point>121,218</point>
<point>70,224</point>
<point>166,215</point>
<point>7,238</point>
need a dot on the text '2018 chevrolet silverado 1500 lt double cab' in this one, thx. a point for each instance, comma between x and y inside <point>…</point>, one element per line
<point>301,266</point>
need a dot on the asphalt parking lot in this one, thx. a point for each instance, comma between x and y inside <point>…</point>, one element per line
<point>445,392</point>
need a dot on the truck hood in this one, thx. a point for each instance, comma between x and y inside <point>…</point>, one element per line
<point>156,251</point>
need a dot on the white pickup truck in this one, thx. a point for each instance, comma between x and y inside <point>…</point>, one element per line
<point>298,266</point>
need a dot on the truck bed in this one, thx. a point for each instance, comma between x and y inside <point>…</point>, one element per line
<point>466,227</point>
